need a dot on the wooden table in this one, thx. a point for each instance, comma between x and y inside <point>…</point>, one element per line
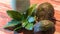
<point>4,18</point>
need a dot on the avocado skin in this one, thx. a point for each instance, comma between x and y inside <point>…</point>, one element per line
<point>43,25</point>
<point>45,11</point>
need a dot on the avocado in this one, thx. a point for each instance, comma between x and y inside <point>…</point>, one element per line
<point>45,11</point>
<point>43,25</point>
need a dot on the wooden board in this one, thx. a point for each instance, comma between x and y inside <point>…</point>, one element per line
<point>4,18</point>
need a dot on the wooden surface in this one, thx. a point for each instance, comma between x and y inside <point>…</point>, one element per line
<point>4,18</point>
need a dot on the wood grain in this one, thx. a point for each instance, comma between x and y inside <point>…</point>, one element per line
<point>4,18</point>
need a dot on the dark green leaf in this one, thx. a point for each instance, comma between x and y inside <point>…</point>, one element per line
<point>12,23</point>
<point>14,14</point>
<point>30,10</point>
<point>29,26</point>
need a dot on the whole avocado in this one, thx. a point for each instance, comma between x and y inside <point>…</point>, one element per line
<point>45,11</point>
<point>43,25</point>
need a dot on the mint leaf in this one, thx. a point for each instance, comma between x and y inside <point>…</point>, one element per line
<point>29,26</point>
<point>12,23</point>
<point>24,23</point>
<point>30,10</point>
<point>14,14</point>
<point>31,19</point>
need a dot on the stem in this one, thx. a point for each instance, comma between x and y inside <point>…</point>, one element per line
<point>17,28</point>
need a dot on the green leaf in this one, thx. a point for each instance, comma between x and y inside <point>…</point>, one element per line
<point>12,23</point>
<point>31,19</point>
<point>24,23</point>
<point>29,26</point>
<point>14,14</point>
<point>30,10</point>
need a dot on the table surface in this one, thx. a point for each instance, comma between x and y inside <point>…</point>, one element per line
<point>4,18</point>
